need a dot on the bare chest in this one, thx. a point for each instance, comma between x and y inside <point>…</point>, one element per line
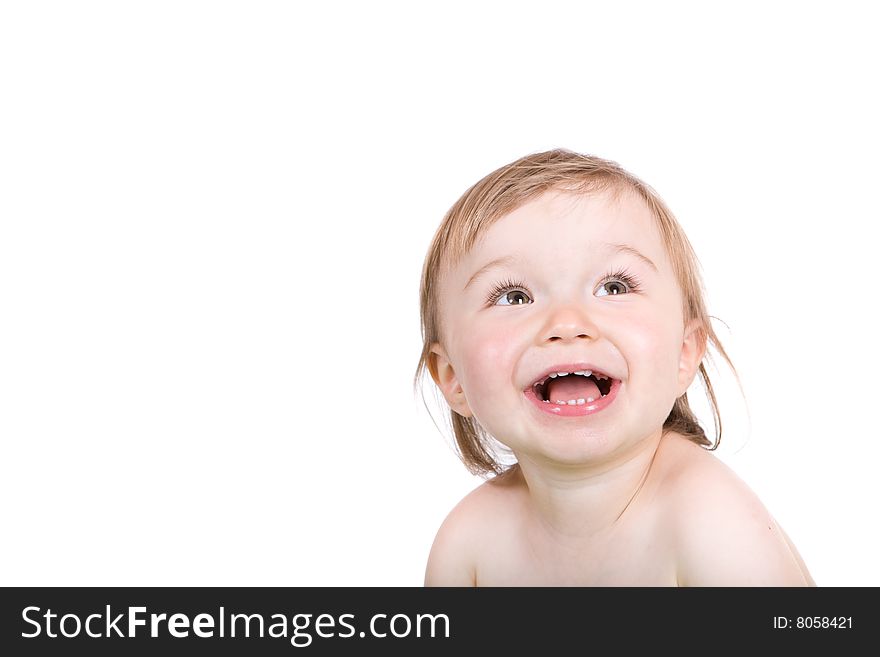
<point>629,557</point>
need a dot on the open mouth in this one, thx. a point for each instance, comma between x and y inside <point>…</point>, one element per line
<point>573,388</point>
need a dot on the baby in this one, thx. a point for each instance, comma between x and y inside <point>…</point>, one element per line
<point>563,317</point>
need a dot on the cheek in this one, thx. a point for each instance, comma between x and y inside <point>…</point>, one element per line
<point>489,358</point>
<point>653,345</point>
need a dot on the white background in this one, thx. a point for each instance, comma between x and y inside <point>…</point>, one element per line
<point>214,216</point>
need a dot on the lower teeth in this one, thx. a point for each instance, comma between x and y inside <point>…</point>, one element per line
<point>571,402</point>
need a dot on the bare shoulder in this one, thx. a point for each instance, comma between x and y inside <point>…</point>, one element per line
<point>721,532</point>
<point>455,551</point>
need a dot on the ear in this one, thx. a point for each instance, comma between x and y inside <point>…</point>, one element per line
<point>693,348</point>
<point>444,376</point>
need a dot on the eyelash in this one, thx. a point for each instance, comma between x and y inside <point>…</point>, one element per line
<point>632,282</point>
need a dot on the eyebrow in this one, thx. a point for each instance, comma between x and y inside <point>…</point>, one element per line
<point>611,248</point>
<point>626,248</point>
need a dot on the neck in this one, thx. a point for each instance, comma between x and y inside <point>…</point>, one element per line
<point>581,503</point>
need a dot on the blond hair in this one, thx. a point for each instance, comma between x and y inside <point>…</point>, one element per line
<point>503,191</point>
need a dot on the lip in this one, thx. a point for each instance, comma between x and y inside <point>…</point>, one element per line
<point>565,410</point>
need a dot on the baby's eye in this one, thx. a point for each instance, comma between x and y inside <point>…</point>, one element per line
<point>620,282</point>
<point>509,293</point>
<point>613,288</point>
<point>514,298</point>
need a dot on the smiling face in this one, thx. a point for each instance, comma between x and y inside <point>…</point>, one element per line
<point>566,281</point>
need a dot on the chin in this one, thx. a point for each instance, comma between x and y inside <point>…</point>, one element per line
<point>580,447</point>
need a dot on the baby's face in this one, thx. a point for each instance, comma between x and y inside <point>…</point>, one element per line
<point>564,309</point>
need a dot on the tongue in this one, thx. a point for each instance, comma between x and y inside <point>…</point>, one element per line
<point>573,386</point>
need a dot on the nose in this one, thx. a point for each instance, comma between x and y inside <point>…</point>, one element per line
<point>568,322</point>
